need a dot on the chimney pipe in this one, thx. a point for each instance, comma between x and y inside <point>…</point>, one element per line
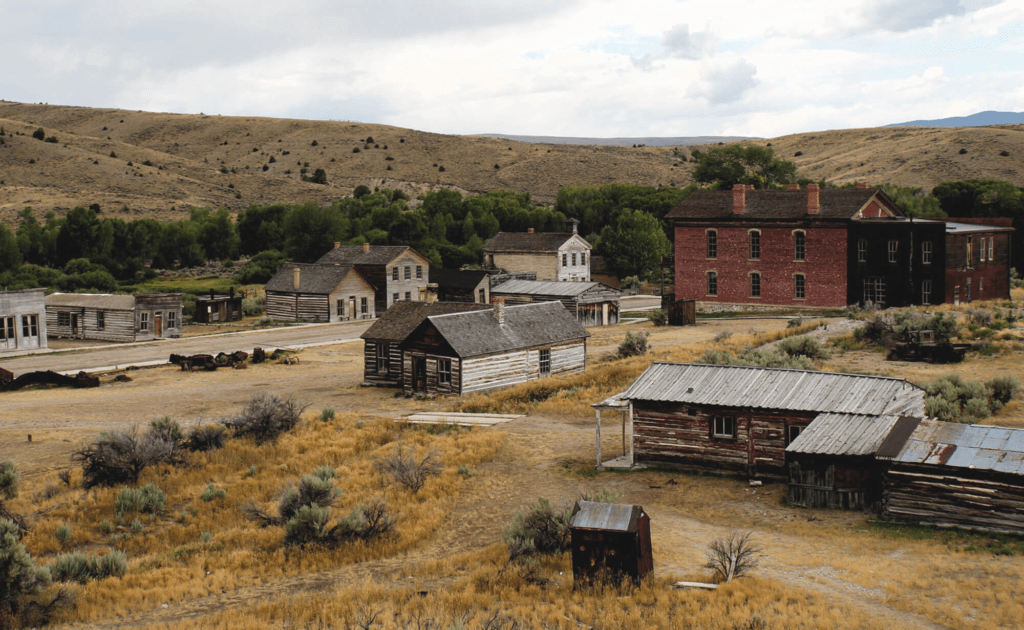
<point>366,247</point>
<point>231,292</point>
<point>211,294</point>
<point>739,199</point>
<point>793,187</point>
<point>499,310</point>
<point>337,244</point>
<point>813,202</point>
<point>295,276</point>
<point>529,230</point>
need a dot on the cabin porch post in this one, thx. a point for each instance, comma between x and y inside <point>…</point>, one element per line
<point>597,411</point>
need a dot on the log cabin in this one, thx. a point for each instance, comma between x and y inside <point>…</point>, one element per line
<point>22,320</point>
<point>382,357</point>
<point>301,292</point>
<point>107,317</point>
<point>591,303</point>
<point>482,350</point>
<point>740,419</point>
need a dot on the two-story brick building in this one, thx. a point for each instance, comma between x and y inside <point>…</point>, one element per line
<point>559,256</point>
<point>830,248</point>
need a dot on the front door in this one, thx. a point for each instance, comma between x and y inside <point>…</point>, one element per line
<point>419,379</point>
<point>352,308</point>
<point>158,324</point>
<point>74,324</point>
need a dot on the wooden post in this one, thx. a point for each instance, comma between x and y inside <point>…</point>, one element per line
<point>623,432</point>
<point>631,454</point>
<point>597,411</point>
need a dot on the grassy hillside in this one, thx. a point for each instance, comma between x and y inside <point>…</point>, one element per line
<point>188,152</point>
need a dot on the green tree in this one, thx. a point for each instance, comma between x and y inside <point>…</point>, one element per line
<point>737,164</point>
<point>10,253</point>
<point>634,243</point>
<point>319,177</point>
<point>310,231</point>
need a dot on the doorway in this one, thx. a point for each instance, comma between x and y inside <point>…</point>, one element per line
<point>158,324</point>
<point>419,379</point>
<point>74,324</point>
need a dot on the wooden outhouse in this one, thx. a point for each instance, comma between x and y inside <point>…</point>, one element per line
<point>22,320</point>
<point>319,293</point>
<point>481,350</point>
<point>591,303</point>
<point>382,357</point>
<point>610,542</point>
<point>218,308</point>
<point>107,317</point>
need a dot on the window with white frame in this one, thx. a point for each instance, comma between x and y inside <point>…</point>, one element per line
<point>755,244</point>
<point>419,272</point>
<point>799,246</point>
<point>363,306</point>
<point>6,329</point>
<point>444,371</point>
<point>408,272</point>
<point>29,325</point>
<point>991,248</point>
<point>583,258</point>
<point>172,319</point>
<point>926,253</point>
<point>755,284</point>
<point>382,358</point>
<point>394,273</point>
<point>712,283</point>
<point>394,298</point>
<point>545,362</point>
<point>970,250</point>
<point>712,243</point>
<point>574,259</point>
<point>926,292</point>
<point>799,286</point>
<point>143,321</point>
<point>101,320</point>
<point>893,249</point>
<point>723,427</point>
<point>862,250</point>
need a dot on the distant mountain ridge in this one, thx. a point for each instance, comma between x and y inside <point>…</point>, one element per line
<point>981,119</point>
<point>682,141</point>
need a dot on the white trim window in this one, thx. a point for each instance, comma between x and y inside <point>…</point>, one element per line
<point>926,253</point>
<point>545,362</point>
<point>799,245</point>
<point>893,250</point>
<point>926,292</point>
<point>991,248</point>
<point>444,372</point>
<point>755,244</point>
<point>144,322</point>
<point>172,319</point>
<point>394,273</point>
<point>862,250</point>
<point>712,236</point>
<point>723,427</point>
<point>381,357</point>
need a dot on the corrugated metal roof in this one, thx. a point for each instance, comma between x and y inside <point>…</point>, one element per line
<point>954,227</point>
<point>526,326</point>
<point>976,446</point>
<point>613,517</point>
<point>545,287</point>
<point>775,388</point>
<point>843,434</point>
<point>898,436</point>
<point>92,300</point>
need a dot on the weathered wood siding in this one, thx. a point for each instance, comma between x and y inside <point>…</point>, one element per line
<point>382,276</point>
<point>158,305</point>
<point>432,384</point>
<point>845,483</point>
<point>118,324</point>
<point>666,433</point>
<point>392,375</point>
<point>18,305</point>
<point>954,496</point>
<point>298,307</point>
<point>546,266</point>
<point>352,287</point>
<point>509,368</point>
<point>219,309</point>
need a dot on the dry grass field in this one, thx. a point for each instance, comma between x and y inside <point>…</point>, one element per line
<point>201,564</point>
<point>187,153</point>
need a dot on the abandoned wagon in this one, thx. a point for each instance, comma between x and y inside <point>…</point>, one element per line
<point>382,357</point>
<point>319,293</point>
<point>728,418</point>
<point>833,463</point>
<point>107,317</point>
<point>951,474</point>
<point>214,308</point>
<point>481,350</point>
<point>609,542</point>
<point>22,320</point>
<point>591,303</point>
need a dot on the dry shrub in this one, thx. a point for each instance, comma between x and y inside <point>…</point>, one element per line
<point>407,469</point>
<point>634,345</point>
<point>119,457</point>
<point>732,558</point>
<point>266,417</point>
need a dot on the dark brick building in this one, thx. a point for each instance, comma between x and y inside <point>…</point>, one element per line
<point>830,248</point>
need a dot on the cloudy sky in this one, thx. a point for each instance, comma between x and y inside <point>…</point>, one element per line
<point>592,68</point>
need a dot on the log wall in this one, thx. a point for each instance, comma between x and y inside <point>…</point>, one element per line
<point>844,483</point>
<point>298,307</point>
<point>392,377</point>
<point>118,324</point>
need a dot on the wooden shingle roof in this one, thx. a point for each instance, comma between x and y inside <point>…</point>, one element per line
<point>778,204</point>
<point>526,326</point>
<point>403,317</point>
<point>354,255</point>
<point>314,279</point>
<point>522,242</point>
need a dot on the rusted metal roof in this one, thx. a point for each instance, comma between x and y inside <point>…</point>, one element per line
<point>843,434</point>
<point>975,446</point>
<point>776,388</point>
<point>608,517</point>
<point>898,436</point>
<point>92,300</point>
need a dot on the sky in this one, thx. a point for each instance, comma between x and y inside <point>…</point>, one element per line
<point>591,68</point>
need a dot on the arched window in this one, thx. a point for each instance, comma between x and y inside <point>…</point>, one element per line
<point>799,245</point>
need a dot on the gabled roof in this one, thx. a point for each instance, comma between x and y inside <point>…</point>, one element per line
<point>526,326</point>
<point>776,388</point>
<point>975,446</point>
<point>403,317</point>
<point>354,255</point>
<point>844,434</point>
<point>547,287</point>
<point>314,279</point>
<point>466,279</point>
<point>608,517</point>
<point>92,300</point>
<point>523,242</point>
<point>778,204</point>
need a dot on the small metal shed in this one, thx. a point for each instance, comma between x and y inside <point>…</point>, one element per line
<point>610,541</point>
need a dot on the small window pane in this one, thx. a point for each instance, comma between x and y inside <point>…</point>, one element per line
<point>712,244</point>
<point>862,250</point>
<point>926,252</point>
<point>444,372</point>
<point>799,287</point>
<point>800,251</point>
<point>755,285</point>
<point>394,273</point>
<point>893,248</point>
<point>545,361</point>
<point>419,272</point>
<point>712,283</point>
<point>755,245</point>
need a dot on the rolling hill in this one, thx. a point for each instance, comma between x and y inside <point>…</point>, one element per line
<point>143,164</point>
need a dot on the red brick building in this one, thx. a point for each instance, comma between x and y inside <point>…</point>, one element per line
<point>829,248</point>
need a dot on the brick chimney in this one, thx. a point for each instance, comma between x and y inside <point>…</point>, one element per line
<point>337,244</point>
<point>861,185</point>
<point>813,202</point>
<point>295,277</point>
<point>499,310</point>
<point>366,247</point>
<point>750,187</point>
<point>739,199</point>
<point>529,230</point>
<point>793,187</point>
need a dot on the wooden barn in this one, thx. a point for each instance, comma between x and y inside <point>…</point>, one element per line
<point>462,285</point>
<point>833,464</point>
<point>481,350</point>
<point>591,303</point>
<point>951,474</point>
<point>382,355</point>
<point>740,419</point>
<point>319,293</point>
<point>218,308</point>
<point>610,542</point>
<point>107,317</point>
<point>22,320</point>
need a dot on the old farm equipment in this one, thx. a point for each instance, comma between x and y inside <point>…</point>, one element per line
<point>920,345</point>
<point>610,542</point>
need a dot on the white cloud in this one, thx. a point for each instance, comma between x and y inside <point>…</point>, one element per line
<point>725,84</point>
<point>680,42</point>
